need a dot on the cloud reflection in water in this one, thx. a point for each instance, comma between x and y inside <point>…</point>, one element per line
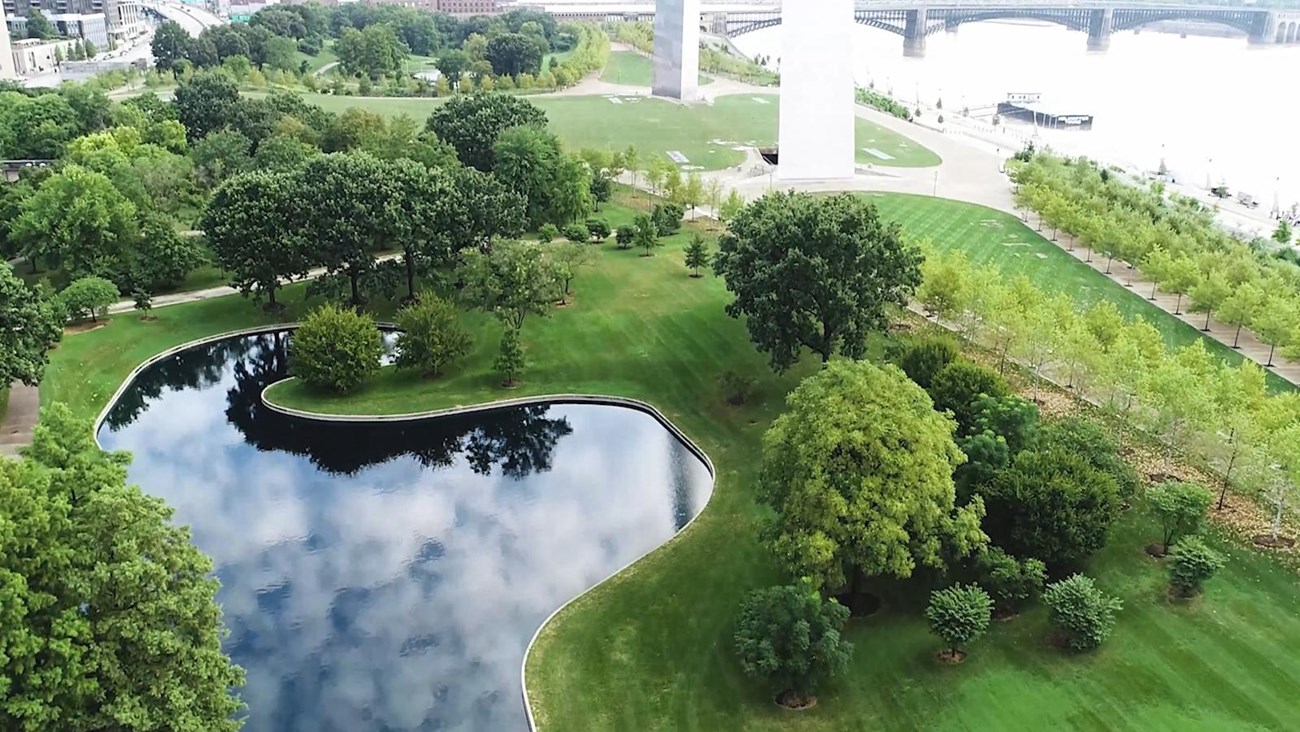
<point>387,577</point>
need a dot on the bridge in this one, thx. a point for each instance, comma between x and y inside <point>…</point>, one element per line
<point>915,21</point>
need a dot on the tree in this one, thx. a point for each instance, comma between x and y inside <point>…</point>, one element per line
<point>1052,505</point>
<point>859,474</point>
<point>697,255</point>
<point>959,615</point>
<point>335,349</point>
<point>532,162</point>
<point>88,297</point>
<point>485,209</point>
<point>451,64</point>
<point>102,586</point>
<point>1282,234</point>
<point>89,49</point>
<point>948,286</point>
<point>925,358</point>
<point>1179,277</point>
<point>512,282</point>
<point>352,211</point>
<point>567,260</point>
<point>510,358</point>
<point>1013,418</point>
<point>1080,612</point>
<point>170,44</point>
<point>374,51</point>
<point>512,54</point>
<point>1193,563</point>
<point>206,102</point>
<point>431,336</point>
<point>426,212</point>
<point>1208,294</point>
<point>732,206</point>
<point>78,216</point>
<point>253,225</point>
<point>1274,323</point>
<point>30,325</point>
<point>39,26</point>
<point>625,235</point>
<point>668,218</point>
<point>646,235</point>
<point>221,154</point>
<point>814,272</point>
<point>1181,508</point>
<point>1093,443</point>
<point>598,230</point>
<point>792,639</point>
<point>1241,307</point>
<point>1012,582</point>
<point>960,384</point>
<point>143,301</point>
<point>692,193</point>
<point>472,124</point>
<point>547,233</point>
<point>163,257</point>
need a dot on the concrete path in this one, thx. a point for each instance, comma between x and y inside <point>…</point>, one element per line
<point>20,420</point>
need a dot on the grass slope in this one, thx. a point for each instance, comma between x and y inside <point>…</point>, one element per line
<point>706,134</point>
<point>650,650</point>
<point>632,69</point>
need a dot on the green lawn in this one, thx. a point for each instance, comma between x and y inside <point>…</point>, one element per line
<point>706,134</point>
<point>650,650</point>
<point>632,69</point>
<point>320,60</point>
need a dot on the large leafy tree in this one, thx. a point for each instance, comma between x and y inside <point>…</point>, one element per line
<point>472,124</point>
<point>170,44</point>
<point>351,204</point>
<point>814,272</point>
<point>859,474</point>
<point>512,282</point>
<point>110,620</point>
<point>512,54</point>
<point>556,185</point>
<point>206,102</point>
<point>29,327</point>
<point>426,201</point>
<point>254,225</point>
<point>485,209</point>
<point>79,217</point>
<point>36,127</point>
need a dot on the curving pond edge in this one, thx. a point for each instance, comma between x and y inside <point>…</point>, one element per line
<point>599,399</point>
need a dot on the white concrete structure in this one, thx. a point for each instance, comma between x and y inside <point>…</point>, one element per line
<point>7,72</point>
<point>677,49</point>
<point>817,113</point>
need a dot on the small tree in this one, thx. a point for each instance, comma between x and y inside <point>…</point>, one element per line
<point>697,255</point>
<point>568,259</point>
<point>1012,582</point>
<point>88,297</point>
<point>668,218</point>
<point>577,233</point>
<point>1181,509</point>
<point>959,615</point>
<point>625,236</point>
<point>790,637</point>
<point>1283,233</point>
<point>925,358</point>
<point>335,349</point>
<point>598,230</point>
<point>1011,417</point>
<point>647,235</point>
<point>510,359</point>
<point>548,233</point>
<point>1192,563</point>
<point>957,387</point>
<point>737,389</point>
<point>431,336</point>
<point>732,206</point>
<point>143,303</point>
<point>1081,613</point>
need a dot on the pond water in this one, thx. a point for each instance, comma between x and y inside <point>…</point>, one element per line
<point>388,577</point>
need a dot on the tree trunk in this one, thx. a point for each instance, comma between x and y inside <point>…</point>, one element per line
<point>354,278</point>
<point>1178,306</point>
<point>1089,259</point>
<point>32,261</point>
<point>1237,338</point>
<point>1154,285</point>
<point>1109,258</point>
<point>1208,313</point>
<point>410,276</point>
<point>1227,474</point>
<point>270,291</point>
<point>1271,349</point>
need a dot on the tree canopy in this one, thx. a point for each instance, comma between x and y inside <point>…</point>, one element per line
<point>814,272</point>
<point>472,124</point>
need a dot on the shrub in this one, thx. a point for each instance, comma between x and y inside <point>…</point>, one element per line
<point>88,297</point>
<point>431,336</point>
<point>736,388</point>
<point>510,359</point>
<point>957,386</point>
<point>1013,418</point>
<point>1193,563</point>
<point>1050,504</point>
<point>1090,441</point>
<point>1081,613</point>
<point>335,349</point>
<point>667,218</point>
<point>1012,582</point>
<point>959,615</point>
<point>926,358</point>
<point>1181,509</point>
<point>790,637</point>
<point>548,233</point>
<point>986,455</point>
<point>576,233</point>
<point>625,236</point>
<point>597,229</point>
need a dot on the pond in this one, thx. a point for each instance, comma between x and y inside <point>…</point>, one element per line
<point>389,576</point>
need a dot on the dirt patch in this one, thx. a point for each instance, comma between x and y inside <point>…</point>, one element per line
<point>1268,541</point>
<point>951,656</point>
<point>85,327</point>
<point>1157,551</point>
<point>795,701</point>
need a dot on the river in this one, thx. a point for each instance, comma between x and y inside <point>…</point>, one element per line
<point>1216,108</point>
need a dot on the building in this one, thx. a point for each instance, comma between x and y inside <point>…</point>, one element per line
<point>470,7</point>
<point>122,19</point>
<point>7,71</point>
<point>32,56</point>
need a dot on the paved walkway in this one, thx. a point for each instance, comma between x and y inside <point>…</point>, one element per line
<point>20,420</point>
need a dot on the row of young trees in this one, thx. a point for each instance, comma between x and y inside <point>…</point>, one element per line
<point>1174,241</point>
<point>1190,399</point>
<point>640,35</point>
